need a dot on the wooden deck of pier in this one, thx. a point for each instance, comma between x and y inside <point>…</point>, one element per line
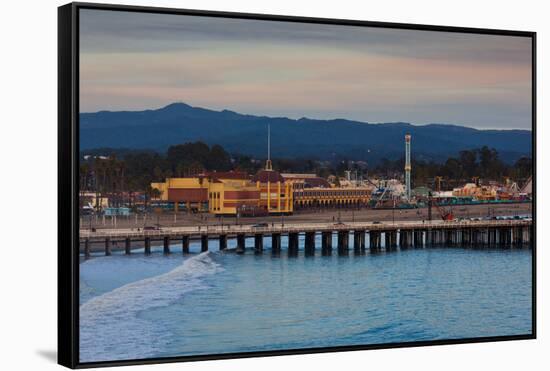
<point>388,235</point>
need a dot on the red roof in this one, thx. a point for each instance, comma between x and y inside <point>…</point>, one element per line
<point>317,182</point>
<point>264,176</point>
<point>240,175</point>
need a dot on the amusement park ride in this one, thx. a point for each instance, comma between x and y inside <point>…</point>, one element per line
<point>446,213</point>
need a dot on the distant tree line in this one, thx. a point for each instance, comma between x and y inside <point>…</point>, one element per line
<point>482,163</point>
<point>135,171</point>
<point>113,172</point>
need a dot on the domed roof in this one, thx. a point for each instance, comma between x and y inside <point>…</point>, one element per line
<point>264,176</point>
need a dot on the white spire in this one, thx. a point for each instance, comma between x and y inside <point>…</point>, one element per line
<point>268,162</point>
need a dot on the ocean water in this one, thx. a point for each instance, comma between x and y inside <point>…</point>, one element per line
<point>134,307</point>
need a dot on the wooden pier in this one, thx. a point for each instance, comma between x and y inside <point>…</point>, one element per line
<point>380,236</point>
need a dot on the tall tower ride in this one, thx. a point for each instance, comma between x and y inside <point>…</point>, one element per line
<point>408,166</point>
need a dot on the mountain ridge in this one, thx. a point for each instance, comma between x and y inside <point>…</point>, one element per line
<point>316,138</point>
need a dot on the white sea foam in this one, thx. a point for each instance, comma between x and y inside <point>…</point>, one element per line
<point>109,325</point>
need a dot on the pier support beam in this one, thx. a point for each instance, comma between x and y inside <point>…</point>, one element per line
<point>343,242</point>
<point>241,243</point>
<point>107,246</point>
<point>428,237</point>
<point>464,237</point>
<point>147,245</point>
<point>418,238</point>
<point>517,231</point>
<point>388,240</point>
<point>293,241</point>
<point>474,237</point>
<point>204,242</point>
<point>166,245</point>
<point>276,243</point>
<point>309,246</point>
<point>358,241</point>
<point>501,237</point>
<point>405,239</point>
<point>326,243</point>
<point>434,237</point>
<point>448,238</point>
<point>127,246</point>
<point>185,244</point>
<point>374,241</point>
<point>393,239</point>
<point>223,241</point>
<point>508,236</point>
<point>258,243</point>
<point>362,245</point>
<point>87,248</point>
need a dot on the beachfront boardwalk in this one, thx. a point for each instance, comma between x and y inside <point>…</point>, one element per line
<point>387,235</point>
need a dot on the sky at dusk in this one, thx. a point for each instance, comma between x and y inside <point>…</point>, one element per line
<point>137,61</point>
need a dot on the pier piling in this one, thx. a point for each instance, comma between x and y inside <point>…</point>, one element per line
<point>204,242</point>
<point>107,246</point>
<point>185,244</point>
<point>358,241</point>
<point>418,240</point>
<point>223,241</point>
<point>293,241</point>
<point>343,242</point>
<point>241,243</point>
<point>326,243</point>
<point>276,243</point>
<point>483,233</point>
<point>309,245</point>
<point>258,243</point>
<point>147,245</point>
<point>127,246</point>
<point>374,241</point>
<point>87,248</point>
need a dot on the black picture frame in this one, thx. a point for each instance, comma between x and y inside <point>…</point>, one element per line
<point>68,165</point>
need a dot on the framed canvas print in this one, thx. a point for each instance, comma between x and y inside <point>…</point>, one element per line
<point>237,185</point>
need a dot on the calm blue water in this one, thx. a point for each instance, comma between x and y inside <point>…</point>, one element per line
<point>155,306</point>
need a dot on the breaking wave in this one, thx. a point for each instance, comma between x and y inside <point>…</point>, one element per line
<point>110,328</point>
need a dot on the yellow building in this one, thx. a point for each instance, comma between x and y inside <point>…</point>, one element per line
<point>233,197</point>
<point>229,193</point>
<point>276,194</point>
<point>192,192</point>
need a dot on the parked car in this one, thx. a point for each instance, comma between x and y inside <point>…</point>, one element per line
<point>260,225</point>
<point>151,228</point>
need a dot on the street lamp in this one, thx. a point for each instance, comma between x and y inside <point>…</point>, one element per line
<point>393,212</point>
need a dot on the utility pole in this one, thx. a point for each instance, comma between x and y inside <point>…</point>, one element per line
<point>430,201</point>
<point>438,180</point>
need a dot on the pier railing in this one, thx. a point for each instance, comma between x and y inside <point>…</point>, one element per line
<point>216,230</point>
<point>380,235</point>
